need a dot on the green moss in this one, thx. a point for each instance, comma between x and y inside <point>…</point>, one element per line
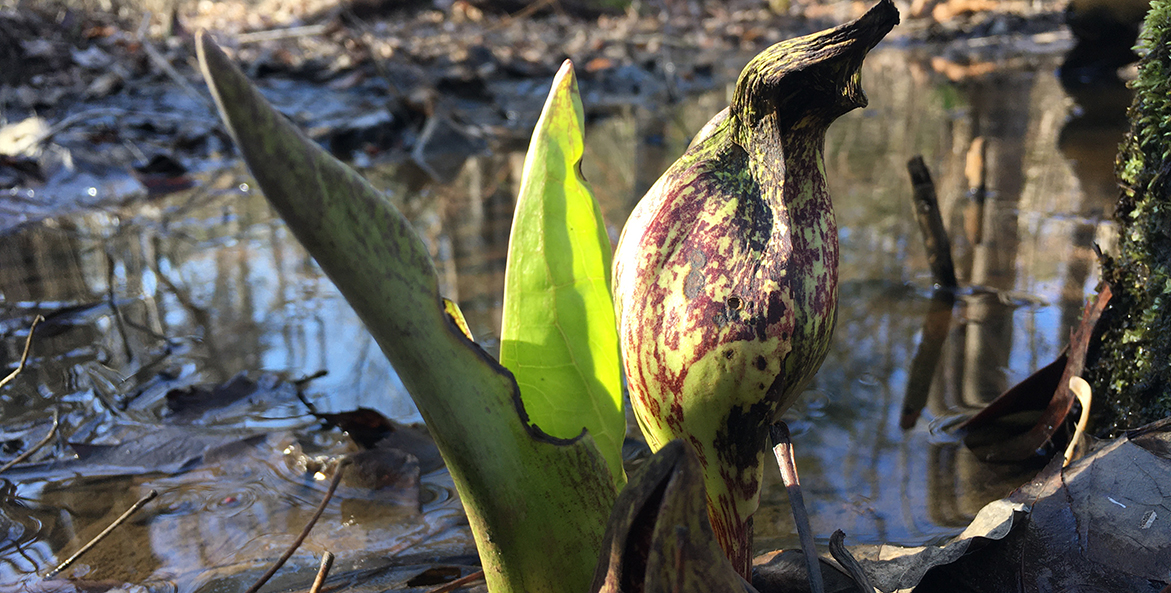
<point>1131,371</point>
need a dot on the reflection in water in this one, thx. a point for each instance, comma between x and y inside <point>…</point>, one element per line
<point>204,284</point>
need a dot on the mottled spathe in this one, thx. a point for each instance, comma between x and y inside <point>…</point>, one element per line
<point>725,278</point>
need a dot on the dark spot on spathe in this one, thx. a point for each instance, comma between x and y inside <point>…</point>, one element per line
<point>734,303</point>
<point>719,319</point>
<point>697,258</point>
<point>693,283</point>
<point>742,438</point>
<point>761,363</point>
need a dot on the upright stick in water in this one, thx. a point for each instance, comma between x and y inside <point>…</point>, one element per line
<point>725,278</point>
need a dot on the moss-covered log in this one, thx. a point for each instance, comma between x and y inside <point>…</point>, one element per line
<point>1131,373</point>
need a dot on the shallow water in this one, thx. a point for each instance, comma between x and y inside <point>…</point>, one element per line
<point>199,286</point>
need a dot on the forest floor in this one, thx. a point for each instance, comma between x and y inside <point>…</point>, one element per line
<point>122,90</point>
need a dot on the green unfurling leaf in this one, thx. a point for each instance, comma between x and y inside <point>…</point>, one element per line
<point>559,336</point>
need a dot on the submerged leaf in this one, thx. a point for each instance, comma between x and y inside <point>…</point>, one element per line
<point>559,336</point>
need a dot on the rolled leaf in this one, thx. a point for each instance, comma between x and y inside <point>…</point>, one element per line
<point>559,336</point>
<point>659,539</point>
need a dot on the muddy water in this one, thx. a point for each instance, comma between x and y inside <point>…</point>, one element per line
<point>200,286</point>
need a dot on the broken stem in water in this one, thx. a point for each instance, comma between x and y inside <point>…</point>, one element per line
<point>105,532</point>
<point>783,449</point>
<point>935,237</point>
<point>322,572</point>
<point>337,478</point>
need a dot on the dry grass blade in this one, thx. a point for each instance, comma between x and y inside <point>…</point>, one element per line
<point>337,478</point>
<point>28,345</point>
<point>105,532</point>
<point>37,447</point>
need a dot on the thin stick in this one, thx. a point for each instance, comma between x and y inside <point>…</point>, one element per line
<point>453,585</point>
<point>520,14</point>
<point>28,346</point>
<point>783,449</point>
<point>837,549</point>
<point>931,223</point>
<point>337,478</point>
<point>326,563</point>
<point>37,447</point>
<point>286,33</point>
<point>163,64</point>
<point>107,531</point>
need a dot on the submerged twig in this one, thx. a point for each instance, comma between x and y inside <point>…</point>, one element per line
<point>931,223</point>
<point>28,346</point>
<point>453,585</point>
<point>322,572</point>
<point>837,549</point>
<point>105,532</point>
<point>37,447</point>
<point>333,484</point>
<point>783,449</point>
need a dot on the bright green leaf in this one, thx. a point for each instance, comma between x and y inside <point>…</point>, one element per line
<point>537,505</point>
<point>559,336</point>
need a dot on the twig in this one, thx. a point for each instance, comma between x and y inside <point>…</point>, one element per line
<point>37,447</point>
<point>107,531</point>
<point>307,378</point>
<point>28,345</point>
<point>783,449</point>
<point>397,95</point>
<point>453,585</point>
<point>326,563</point>
<point>837,549</point>
<point>337,478</point>
<point>285,33</point>
<point>165,65</point>
<point>931,223</point>
<point>523,13</point>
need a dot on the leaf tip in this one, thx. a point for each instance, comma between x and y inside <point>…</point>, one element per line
<point>565,79</point>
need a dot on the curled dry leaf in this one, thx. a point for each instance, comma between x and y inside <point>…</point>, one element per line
<point>985,434</point>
